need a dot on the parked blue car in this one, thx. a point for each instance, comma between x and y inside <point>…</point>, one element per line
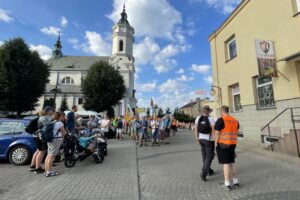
<point>15,143</point>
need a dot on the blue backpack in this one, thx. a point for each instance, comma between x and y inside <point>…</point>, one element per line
<point>46,132</point>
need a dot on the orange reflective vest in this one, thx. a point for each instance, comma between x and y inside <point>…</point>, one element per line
<point>230,133</point>
<point>174,122</point>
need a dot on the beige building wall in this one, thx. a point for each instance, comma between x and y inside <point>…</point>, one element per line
<point>264,20</point>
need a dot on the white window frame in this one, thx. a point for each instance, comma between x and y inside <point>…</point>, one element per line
<point>298,5</point>
<point>69,82</point>
<point>228,48</point>
<point>234,93</point>
<point>257,95</point>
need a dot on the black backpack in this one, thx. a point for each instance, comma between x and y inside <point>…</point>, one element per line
<point>204,125</point>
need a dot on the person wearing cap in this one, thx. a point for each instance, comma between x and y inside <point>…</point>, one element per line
<point>45,118</point>
<point>204,132</point>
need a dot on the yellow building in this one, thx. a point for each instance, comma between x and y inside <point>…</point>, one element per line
<point>192,109</point>
<point>256,65</point>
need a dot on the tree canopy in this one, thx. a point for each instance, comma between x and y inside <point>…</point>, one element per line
<point>23,76</point>
<point>103,87</point>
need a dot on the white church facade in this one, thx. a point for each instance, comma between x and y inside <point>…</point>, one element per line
<point>66,72</point>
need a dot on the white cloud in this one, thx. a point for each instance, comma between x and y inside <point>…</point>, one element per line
<point>51,30</point>
<point>96,44</point>
<point>44,51</point>
<point>1,43</point>
<point>172,86</point>
<point>208,79</point>
<point>162,58</point>
<point>63,21</point>
<point>155,18</point>
<point>75,43</point>
<point>185,78</point>
<point>223,6</point>
<point>180,71</point>
<point>146,87</point>
<point>5,16</point>
<point>145,50</point>
<point>202,69</point>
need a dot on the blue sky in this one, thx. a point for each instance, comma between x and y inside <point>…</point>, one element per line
<point>171,49</point>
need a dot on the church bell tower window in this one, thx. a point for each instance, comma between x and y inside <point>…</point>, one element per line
<point>121,45</point>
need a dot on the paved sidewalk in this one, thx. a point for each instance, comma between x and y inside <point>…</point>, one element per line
<point>172,172</point>
<point>114,179</point>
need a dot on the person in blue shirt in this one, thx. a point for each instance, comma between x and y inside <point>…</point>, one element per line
<point>71,119</point>
<point>143,132</point>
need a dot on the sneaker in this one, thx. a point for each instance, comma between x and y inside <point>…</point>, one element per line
<point>237,185</point>
<point>227,188</point>
<point>203,178</point>
<point>49,174</point>
<point>39,171</point>
<point>31,168</point>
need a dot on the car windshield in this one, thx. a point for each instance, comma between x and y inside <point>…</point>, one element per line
<point>9,127</point>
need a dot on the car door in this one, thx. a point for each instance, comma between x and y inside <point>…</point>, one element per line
<point>7,129</point>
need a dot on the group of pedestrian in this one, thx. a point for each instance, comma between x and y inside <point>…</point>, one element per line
<point>222,136</point>
<point>46,117</point>
<point>154,129</point>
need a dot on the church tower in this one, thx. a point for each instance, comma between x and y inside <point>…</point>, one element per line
<point>122,59</point>
<point>57,53</point>
<point>123,37</point>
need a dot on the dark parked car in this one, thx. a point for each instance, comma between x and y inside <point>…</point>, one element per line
<point>15,143</point>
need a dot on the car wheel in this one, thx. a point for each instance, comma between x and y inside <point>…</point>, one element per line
<point>19,155</point>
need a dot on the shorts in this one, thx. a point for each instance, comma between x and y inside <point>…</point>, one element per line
<point>40,145</point>
<point>140,132</point>
<point>54,146</point>
<point>155,133</point>
<point>119,130</point>
<point>226,156</point>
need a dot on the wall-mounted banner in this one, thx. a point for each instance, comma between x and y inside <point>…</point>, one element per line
<point>266,58</point>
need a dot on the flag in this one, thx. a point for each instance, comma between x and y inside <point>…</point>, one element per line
<point>200,92</point>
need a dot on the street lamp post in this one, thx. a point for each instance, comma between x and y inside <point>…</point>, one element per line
<point>213,93</point>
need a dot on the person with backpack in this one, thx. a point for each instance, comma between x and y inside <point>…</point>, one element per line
<point>45,118</point>
<point>53,134</point>
<point>204,130</point>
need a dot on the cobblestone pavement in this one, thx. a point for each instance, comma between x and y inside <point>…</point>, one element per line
<point>114,179</point>
<point>167,172</point>
<point>172,172</point>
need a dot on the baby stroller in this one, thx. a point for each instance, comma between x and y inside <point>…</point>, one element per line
<point>74,151</point>
<point>101,142</point>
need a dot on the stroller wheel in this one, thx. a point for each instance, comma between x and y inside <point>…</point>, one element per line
<point>70,162</point>
<point>98,158</point>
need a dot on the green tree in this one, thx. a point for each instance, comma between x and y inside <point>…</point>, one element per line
<point>168,110</point>
<point>64,104</point>
<point>103,87</point>
<point>110,112</point>
<point>148,112</point>
<point>23,76</point>
<point>49,102</point>
<point>160,113</point>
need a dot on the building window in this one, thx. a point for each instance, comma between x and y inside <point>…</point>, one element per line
<point>80,101</point>
<point>296,6</point>
<point>231,51</point>
<point>264,90</point>
<point>67,80</point>
<point>236,97</point>
<point>121,45</point>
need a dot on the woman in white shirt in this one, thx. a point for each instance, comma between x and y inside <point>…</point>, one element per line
<point>105,124</point>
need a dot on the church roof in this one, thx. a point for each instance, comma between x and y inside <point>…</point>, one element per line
<point>191,104</point>
<point>74,63</point>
